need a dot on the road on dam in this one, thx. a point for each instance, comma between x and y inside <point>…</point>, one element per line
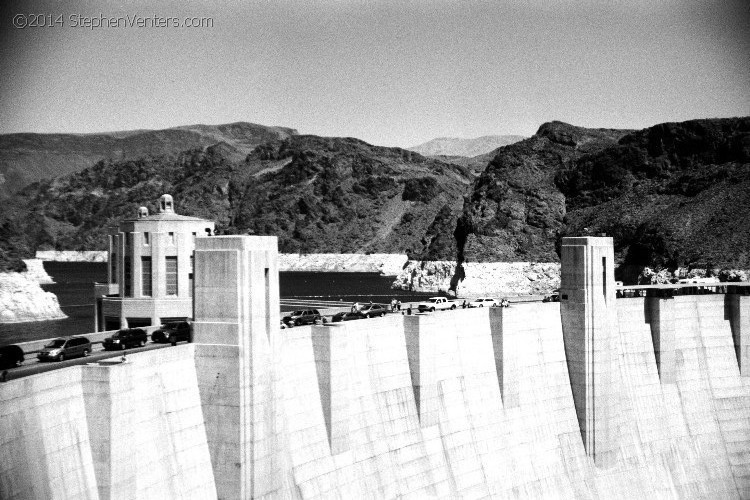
<point>32,366</point>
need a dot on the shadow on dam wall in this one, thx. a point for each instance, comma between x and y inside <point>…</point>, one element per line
<point>468,403</point>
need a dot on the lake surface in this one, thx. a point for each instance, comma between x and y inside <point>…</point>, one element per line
<point>74,289</point>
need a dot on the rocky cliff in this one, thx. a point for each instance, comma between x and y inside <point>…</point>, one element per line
<point>480,278</point>
<point>35,271</point>
<point>22,299</point>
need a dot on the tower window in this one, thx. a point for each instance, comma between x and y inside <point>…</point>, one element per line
<point>171,276</point>
<point>128,271</point>
<point>146,285</point>
<point>171,238</point>
<point>146,238</point>
<point>113,268</point>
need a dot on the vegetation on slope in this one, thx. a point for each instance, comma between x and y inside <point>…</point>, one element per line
<point>316,194</point>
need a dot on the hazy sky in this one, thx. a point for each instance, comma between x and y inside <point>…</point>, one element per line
<point>389,72</point>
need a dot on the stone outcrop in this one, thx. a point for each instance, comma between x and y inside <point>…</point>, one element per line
<point>480,278</point>
<point>22,299</point>
<point>35,271</point>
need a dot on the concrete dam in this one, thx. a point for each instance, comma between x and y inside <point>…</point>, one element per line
<point>592,397</point>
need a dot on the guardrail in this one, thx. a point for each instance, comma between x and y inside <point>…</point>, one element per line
<point>669,290</point>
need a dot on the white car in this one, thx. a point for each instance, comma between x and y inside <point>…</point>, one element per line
<point>483,302</point>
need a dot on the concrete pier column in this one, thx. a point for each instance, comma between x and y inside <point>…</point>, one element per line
<point>505,363</point>
<point>587,310</point>
<point>739,311</point>
<point>236,311</point>
<point>110,415</point>
<point>661,319</point>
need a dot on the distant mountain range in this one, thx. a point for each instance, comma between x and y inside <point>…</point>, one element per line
<point>26,157</point>
<point>453,146</point>
<point>675,194</point>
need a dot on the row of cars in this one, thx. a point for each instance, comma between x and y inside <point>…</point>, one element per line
<point>75,346</point>
<point>441,303</point>
<point>313,316</point>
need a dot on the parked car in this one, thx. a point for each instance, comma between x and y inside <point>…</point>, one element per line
<point>302,317</point>
<point>553,297</point>
<point>283,325</point>
<point>173,332</point>
<point>64,348</point>
<point>483,302</point>
<point>10,356</point>
<point>373,310</point>
<point>434,303</point>
<point>347,316</point>
<point>125,339</point>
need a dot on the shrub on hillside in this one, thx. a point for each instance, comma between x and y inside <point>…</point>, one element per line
<point>422,189</point>
<point>732,275</point>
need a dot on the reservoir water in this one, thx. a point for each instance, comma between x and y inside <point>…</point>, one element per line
<point>74,289</point>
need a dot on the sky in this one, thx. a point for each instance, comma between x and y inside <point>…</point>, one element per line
<point>390,72</point>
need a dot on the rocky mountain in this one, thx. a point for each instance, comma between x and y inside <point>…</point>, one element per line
<point>453,146</point>
<point>25,158</point>
<point>673,194</point>
<point>337,195</point>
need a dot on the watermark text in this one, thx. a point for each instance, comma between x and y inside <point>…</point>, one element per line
<point>102,21</point>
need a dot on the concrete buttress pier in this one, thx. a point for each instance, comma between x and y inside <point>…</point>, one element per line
<point>739,316</point>
<point>662,320</point>
<point>236,311</point>
<point>589,322</point>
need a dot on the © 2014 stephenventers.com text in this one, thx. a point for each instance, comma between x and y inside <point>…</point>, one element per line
<point>31,20</point>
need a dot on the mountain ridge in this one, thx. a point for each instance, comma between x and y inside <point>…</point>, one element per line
<point>28,157</point>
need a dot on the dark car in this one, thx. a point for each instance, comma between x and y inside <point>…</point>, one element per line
<point>347,316</point>
<point>10,356</point>
<point>374,310</point>
<point>302,317</point>
<point>125,339</point>
<point>554,297</point>
<point>173,332</point>
<point>65,347</point>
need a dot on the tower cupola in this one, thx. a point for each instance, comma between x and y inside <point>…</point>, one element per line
<point>166,204</point>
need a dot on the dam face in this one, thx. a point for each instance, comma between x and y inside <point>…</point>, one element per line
<point>536,400</point>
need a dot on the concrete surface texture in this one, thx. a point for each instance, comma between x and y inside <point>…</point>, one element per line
<point>462,404</point>
<point>130,430</point>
